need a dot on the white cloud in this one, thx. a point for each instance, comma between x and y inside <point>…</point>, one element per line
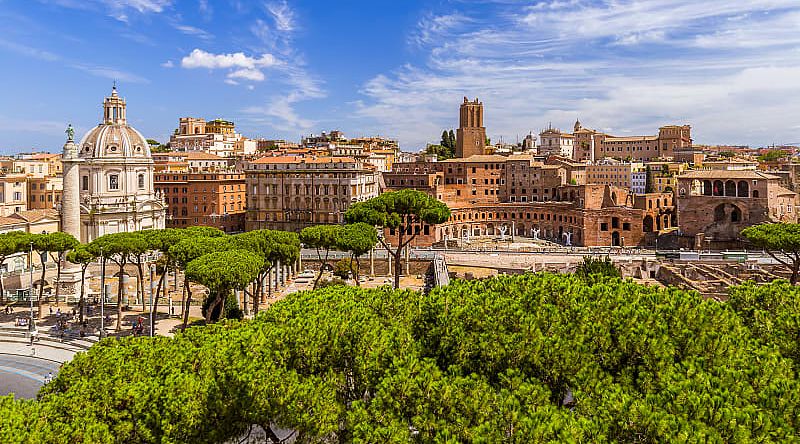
<point>283,15</point>
<point>247,74</point>
<point>194,31</point>
<point>624,64</point>
<point>168,64</point>
<point>241,66</point>
<point>202,59</point>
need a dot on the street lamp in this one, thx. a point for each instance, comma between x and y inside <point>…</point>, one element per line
<point>102,293</point>
<point>31,327</point>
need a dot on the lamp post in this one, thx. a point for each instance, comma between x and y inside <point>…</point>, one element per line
<point>30,295</point>
<point>102,294</point>
<point>152,295</point>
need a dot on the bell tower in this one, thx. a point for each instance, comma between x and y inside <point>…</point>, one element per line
<point>471,134</point>
<point>114,108</point>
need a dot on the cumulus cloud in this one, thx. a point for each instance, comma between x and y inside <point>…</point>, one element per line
<point>240,65</point>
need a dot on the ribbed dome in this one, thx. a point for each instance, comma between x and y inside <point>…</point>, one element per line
<point>113,138</point>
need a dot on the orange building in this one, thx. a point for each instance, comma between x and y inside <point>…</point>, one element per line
<point>209,198</point>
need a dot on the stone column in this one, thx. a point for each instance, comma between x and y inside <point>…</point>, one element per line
<point>70,199</point>
<point>372,262</point>
<point>408,260</point>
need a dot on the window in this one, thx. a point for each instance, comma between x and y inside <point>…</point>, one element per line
<point>85,186</point>
<point>141,181</point>
<point>113,182</point>
<point>603,226</point>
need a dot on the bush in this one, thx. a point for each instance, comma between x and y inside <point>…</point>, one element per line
<point>344,268</point>
<point>591,269</point>
<point>332,283</point>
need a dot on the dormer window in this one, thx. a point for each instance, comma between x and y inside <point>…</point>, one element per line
<point>112,148</point>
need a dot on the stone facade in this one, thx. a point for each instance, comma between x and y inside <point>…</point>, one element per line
<point>471,134</point>
<point>210,198</point>
<point>292,192</point>
<point>714,206</point>
<point>490,194</point>
<point>590,145</point>
<point>111,171</point>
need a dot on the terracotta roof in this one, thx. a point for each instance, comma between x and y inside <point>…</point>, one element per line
<point>726,174</point>
<point>478,158</point>
<point>200,155</point>
<point>298,159</point>
<point>630,139</point>
<point>35,215</point>
<point>43,156</point>
<point>5,221</point>
<point>781,191</point>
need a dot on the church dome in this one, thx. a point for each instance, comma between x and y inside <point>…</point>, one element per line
<point>113,138</point>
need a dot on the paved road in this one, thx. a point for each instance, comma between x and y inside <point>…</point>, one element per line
<point>23,375</point>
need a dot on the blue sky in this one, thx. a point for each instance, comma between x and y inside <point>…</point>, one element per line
<point>281,69</point>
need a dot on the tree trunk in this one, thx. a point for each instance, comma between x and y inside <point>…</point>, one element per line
<point>257,293</point>
<point>795,268</point>
<point>2,285</point>
<point>357,269</point>
<point>188,302</point>
<point>120,291</point>
<point>398,266</point>
<point>140,283</point>
<point>58,278</point>
<point>183,298</point>
<point>155,302</point>
<point>211,311</point>
<point>81,301</point>
<point>41,291</point>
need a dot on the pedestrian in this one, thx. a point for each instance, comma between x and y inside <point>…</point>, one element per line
<point>48,378</point>
<point>58,313</point>
<point>51,311</point>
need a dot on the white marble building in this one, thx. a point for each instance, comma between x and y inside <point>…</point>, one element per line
<point>115,179</point>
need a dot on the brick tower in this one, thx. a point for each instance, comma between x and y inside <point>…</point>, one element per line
<point>471,135</point>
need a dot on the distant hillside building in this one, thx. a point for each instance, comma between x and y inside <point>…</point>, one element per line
<point>218,137</point>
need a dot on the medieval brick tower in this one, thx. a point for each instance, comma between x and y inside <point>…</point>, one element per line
<point>471,135</point>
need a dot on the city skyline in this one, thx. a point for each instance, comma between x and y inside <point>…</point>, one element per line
<point>281,70</point>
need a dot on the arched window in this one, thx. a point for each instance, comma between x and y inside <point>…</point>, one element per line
<point>755,193</point>
<point>707,188</point>
<point>719,188</point>
<point>647,225</point>
<point>730,188</point>
<point>743,189</point>
<point>736,214</point>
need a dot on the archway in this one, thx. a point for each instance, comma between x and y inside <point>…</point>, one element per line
<point>707,188</point>
<point>719,188</point>
<point>647,224</point>
<point>743,189</point>
<point>730,188</point>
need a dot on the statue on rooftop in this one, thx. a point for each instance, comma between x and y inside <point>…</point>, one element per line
<point>70,133</point>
